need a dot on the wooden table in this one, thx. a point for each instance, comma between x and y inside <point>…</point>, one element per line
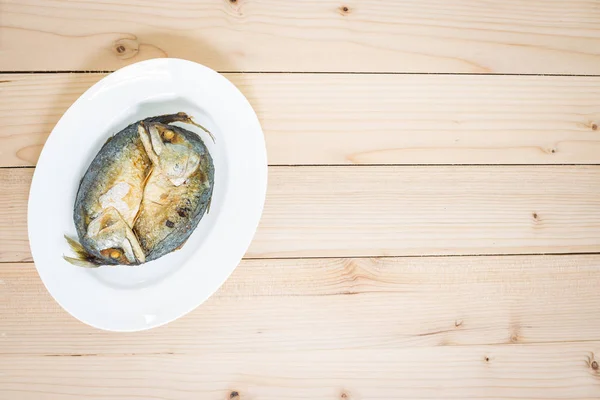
<point>432,224</point>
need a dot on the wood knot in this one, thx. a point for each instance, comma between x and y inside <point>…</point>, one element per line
<point>236,7</point>
<point>458,322</point>
<point>344,396</point>
<point>234,395</point>
<point>594,365</point>
<point>126,48</point>
<point>535,216</point>
<point>515,329</point>
<point>594,127</point>
<point>549,150</point>
<point>486,359</point>
<point>344,10</point>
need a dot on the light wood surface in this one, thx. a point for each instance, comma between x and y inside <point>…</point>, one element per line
<point>432,231</point>
<point>516,36</point>
<point>337,304</point>
<point>364,119</point>
<point>324,328</point>
<point>556,371</point>
<point>396,211</point>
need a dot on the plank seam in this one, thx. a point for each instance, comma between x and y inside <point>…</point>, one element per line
<point>425,256</point>
<point>390,165</point>
<point>591,253</point>
<point>323,73</point>
<point>175,353</point>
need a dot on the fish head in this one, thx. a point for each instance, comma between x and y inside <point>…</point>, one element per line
<point>170,151</point>
<point>113,239</point>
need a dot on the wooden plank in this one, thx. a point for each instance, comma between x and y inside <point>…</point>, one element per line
<point>370,119</point>
<point>517,36</point>
<point>14,243</point>
<point>333,305</point>
<point>558,371</point>
<point>279,326</point>
<point>396,211</point>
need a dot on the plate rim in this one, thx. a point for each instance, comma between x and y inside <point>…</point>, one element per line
<point>260,192</point>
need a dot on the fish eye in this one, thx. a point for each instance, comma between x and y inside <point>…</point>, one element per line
<point>168,135</point>
<point>115,254</point>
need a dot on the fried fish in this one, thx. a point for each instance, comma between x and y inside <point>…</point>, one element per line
<point>143,194</point>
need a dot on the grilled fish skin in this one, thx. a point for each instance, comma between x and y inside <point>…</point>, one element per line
<point>143,194</point>
<point>171,207</point>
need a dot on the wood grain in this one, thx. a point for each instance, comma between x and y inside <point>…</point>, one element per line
<point>335,304</point>
<point>396,211</point>
<point>557,371</point>
<point>451,327</point>
<point>517,36</point>
<point>364,119</point>
<point>496,167</point>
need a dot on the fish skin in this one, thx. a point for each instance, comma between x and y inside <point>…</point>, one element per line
<point>123,159</point>
<point>163,229</point>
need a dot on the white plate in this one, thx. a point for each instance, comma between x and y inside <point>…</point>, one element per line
<point>136,298</point>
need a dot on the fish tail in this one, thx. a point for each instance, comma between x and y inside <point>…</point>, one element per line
<point>83,258</point>
<point>80,263</point>
<point>77,247</point>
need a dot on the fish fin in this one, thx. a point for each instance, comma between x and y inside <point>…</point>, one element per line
<point>208,206</point>
<point>137,215</point>
<point>81,263</point>
<point>83,258</point>
<point>190,121</point>
<point>183,117</point>
<point>144,135</point>
<point>77,248</point>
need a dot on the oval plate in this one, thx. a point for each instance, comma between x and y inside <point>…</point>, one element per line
<point>136,298</point>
